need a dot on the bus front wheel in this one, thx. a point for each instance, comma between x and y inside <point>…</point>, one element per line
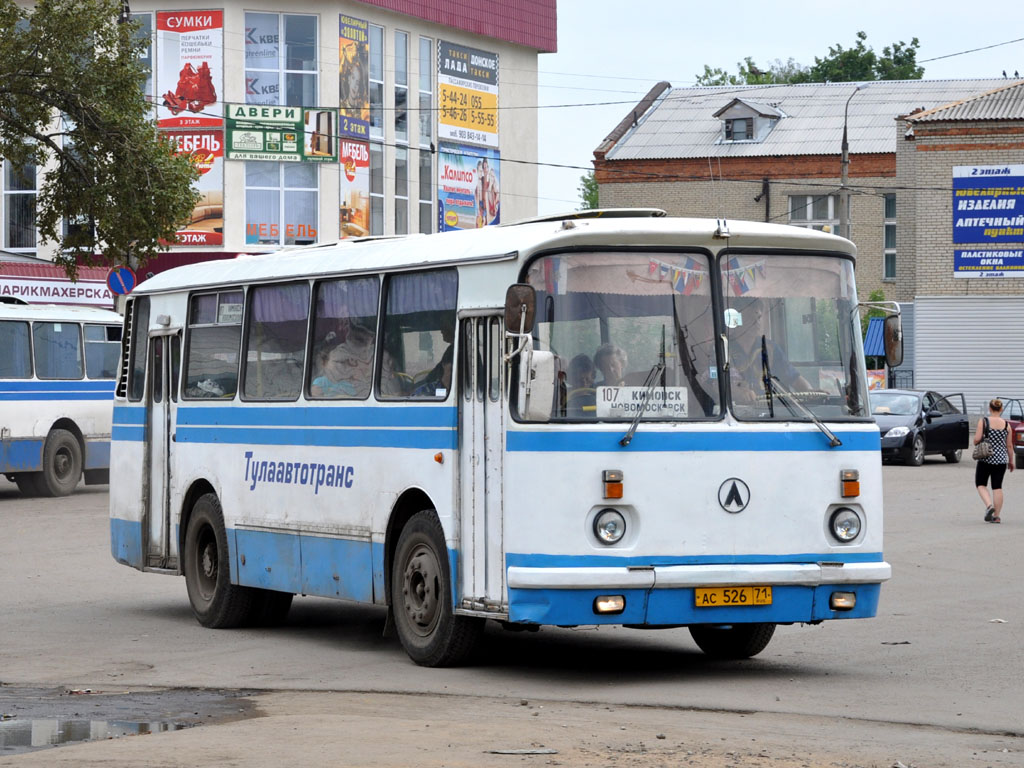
<point>421,597</point>
<point>216,602</point>
<point>62,464</point>
<point>737,641</point>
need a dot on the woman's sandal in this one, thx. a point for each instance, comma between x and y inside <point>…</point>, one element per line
<point>995,520</point>
<point>990,514</point>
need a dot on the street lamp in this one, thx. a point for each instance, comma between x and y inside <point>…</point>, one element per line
<point>844,192</point>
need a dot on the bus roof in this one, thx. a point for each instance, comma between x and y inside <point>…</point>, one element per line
<point>66,313</point>
<point>499,243</point>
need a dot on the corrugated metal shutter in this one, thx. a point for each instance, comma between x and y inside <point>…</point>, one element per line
<point>970,344</point>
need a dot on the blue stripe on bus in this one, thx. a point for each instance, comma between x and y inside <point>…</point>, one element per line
<point>591,561</point>
<point>126,542</point>
<point>432,439</point>
<point>61,385</point>
<point>129,414</point>
<point>325,416</point>
<point>21,455</point>
<point>672,607</point>
<point>723,439</point>
<point>127,434</point>
<point>97,454</point>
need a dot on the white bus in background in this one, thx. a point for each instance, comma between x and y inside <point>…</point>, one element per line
<point>415,423</point>
<point>57,370</point>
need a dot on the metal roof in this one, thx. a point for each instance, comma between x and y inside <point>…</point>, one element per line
<point>1006,103</point>
<point>874,343</point>
<point>682,123</point>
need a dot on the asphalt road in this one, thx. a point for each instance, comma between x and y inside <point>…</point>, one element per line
<point>935,679</point>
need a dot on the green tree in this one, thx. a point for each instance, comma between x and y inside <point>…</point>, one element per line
<point>588,191</point>
<point>859,63</point>
<point>71,102</point>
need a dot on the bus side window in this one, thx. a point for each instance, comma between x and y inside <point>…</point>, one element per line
<point>214,339</point>
<point>276,341</point>
<point>139,349</point>
<point>344,333</point>
<point>419,335</point>
<point>102,349</point>
<point>16,360</point>
<point>58,350</point>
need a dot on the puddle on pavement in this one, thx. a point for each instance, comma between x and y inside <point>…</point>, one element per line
<point>33,718</point>
<point>18,736</point>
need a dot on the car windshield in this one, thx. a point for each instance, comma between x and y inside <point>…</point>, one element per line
<point>894,404</point>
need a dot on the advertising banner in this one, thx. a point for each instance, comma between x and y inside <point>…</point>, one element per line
<point>988,263</point>
<point>355,189</point>
<point>190,68</point>
<point>281,134</point>
<point>205,149</point>
<point>988,204</point>
<point>467,187</point>
<point>262,52</point>
<point>55,290</point>
<point>354,80</point>
<point>467,94</point>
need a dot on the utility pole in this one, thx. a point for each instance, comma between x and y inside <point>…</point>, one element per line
<point>844,173</point>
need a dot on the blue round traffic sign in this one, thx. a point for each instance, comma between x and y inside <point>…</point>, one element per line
<point>121,280</point>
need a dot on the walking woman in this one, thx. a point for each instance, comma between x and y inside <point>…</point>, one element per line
<point>993,429</point>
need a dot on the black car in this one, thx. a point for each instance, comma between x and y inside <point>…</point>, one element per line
<point>915,424</point>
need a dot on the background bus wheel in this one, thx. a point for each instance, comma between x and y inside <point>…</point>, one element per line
<point>216,602</point>
<point>739,641</point>
<point>421,597</point>
<point>28,482</point>
<point>62,464</point>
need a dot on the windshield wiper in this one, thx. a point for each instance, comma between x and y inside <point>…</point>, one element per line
<point>649,382</point>
<point>766,376</point>
<point>787,397</point>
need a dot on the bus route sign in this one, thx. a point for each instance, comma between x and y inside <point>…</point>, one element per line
<point>121,280</point>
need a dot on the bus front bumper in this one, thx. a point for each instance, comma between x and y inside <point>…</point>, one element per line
<point>666,595</point>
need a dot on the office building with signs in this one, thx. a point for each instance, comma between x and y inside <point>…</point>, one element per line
<point>318,121</point>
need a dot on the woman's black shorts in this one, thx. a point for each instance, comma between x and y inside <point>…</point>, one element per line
<point>984,471</point>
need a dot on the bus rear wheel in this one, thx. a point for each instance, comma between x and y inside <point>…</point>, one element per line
<point>737,641</point>
<point>216,602</point>
<point>421,597</point>
<point>62,464</point>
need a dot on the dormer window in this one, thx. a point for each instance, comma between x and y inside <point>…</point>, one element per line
<point>739,129</point>
<point>747,121</point>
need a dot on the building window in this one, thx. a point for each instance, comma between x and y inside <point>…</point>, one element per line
<point>145,32</point>
<point>814,212</point>
<point>19,208</point>
<point>889,252</point>
<point>426,163</point>
<point>376,189</point>
<point>401,86</point>
<point>739,129</point>
<point>281,74</point>
<point>281,203</point>
<point>401,190</point>
<point>376,82</point>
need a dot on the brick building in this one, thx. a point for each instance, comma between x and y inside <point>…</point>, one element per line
<point>773,153</point>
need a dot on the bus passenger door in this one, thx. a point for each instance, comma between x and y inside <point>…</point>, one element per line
<point>481,439</point>
<point>162,400</point>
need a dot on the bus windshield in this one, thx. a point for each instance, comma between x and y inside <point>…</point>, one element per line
<point>793,337</point>
<point>632,333</point>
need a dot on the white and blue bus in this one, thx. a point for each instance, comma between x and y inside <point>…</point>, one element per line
<point>542,423</point>
<point>57,370</point>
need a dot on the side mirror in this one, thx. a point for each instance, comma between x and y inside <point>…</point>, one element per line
<point>892,333</point>
<point>520,308</point>
<point>537,385</point>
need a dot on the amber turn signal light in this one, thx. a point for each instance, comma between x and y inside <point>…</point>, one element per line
<point>612,483</point>
<point>850,481</point>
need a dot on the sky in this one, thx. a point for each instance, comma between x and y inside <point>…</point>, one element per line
<point>611,53</point>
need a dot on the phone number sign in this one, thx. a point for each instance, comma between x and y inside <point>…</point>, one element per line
<point>467,90</point>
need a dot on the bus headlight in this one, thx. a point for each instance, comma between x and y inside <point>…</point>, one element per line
<point>609,526</point>
<point>845,524</point>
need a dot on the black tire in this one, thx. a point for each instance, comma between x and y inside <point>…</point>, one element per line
<point>216,602</point>
<point>953,457</point>
<point>421,597</point>
<point>28,482</point>
<point>62,464</point>
<point>738,641</point>
<point>916,456</point>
